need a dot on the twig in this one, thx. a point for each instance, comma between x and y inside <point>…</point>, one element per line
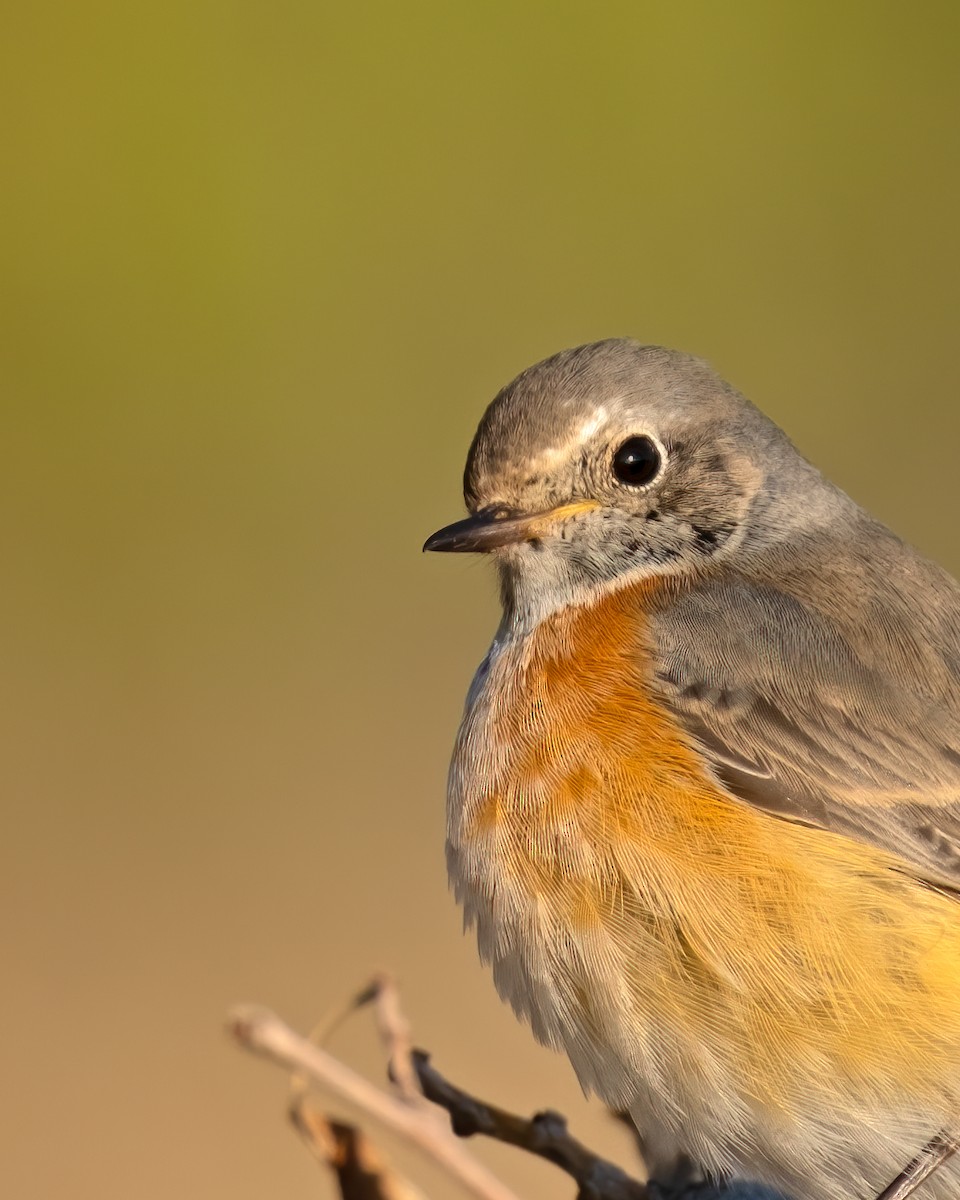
<point>545,1135</point>
<point>328,1025</point>
<point>395,1033</point>
<point>360,1171</point>
<point>932,1156</point>
<point>263,1032</point>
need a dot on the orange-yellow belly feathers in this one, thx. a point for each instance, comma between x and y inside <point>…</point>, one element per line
<point>746,986</point>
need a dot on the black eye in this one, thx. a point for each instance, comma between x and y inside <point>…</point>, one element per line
<point>636,462</point>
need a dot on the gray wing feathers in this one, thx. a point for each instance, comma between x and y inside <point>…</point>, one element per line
<point>829,698</point>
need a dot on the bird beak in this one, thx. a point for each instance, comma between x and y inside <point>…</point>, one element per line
<point>490,529</point>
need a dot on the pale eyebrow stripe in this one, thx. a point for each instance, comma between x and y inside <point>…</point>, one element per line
<point>551,455</point>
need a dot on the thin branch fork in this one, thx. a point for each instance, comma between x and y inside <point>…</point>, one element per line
<point>422,1110</point>
<point>264,1033</point>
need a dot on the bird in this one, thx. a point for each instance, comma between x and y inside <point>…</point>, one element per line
<point>704,802</point>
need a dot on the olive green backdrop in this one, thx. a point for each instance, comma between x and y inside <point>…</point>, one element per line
<point>262,265</point>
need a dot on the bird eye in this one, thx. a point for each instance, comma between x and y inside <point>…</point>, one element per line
<point>636,462</point>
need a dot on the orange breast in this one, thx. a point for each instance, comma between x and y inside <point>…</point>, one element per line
<point>626,895</point>
<point>582,738</point>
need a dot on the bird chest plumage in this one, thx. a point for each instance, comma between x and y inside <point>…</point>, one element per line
<point>707,966</point>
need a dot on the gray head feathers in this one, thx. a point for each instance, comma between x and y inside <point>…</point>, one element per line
<point>726,476</point>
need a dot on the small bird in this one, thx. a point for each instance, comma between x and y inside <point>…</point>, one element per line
<point>704,805</point>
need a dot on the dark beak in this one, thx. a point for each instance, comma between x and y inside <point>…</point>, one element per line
<point>491,529</point>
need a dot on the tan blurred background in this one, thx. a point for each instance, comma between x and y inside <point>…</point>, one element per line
<point>262,266</point>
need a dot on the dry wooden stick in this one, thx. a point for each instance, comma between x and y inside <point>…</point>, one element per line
<point>545,1135</point>
<point>414,1112</point>
<point>361,1172</point>
<point>263,1032</point>
<point>395,1034</point>
<point>933,1155</point>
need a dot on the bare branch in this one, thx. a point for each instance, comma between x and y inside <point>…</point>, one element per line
<point>933,1155</point>
<point>423,1100</point>
<point>395,1033</point>
<point>545,1135</point>
<point>361,1172</point>
<point>263,1032</point>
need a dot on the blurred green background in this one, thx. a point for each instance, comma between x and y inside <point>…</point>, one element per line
<point>262,266</point>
